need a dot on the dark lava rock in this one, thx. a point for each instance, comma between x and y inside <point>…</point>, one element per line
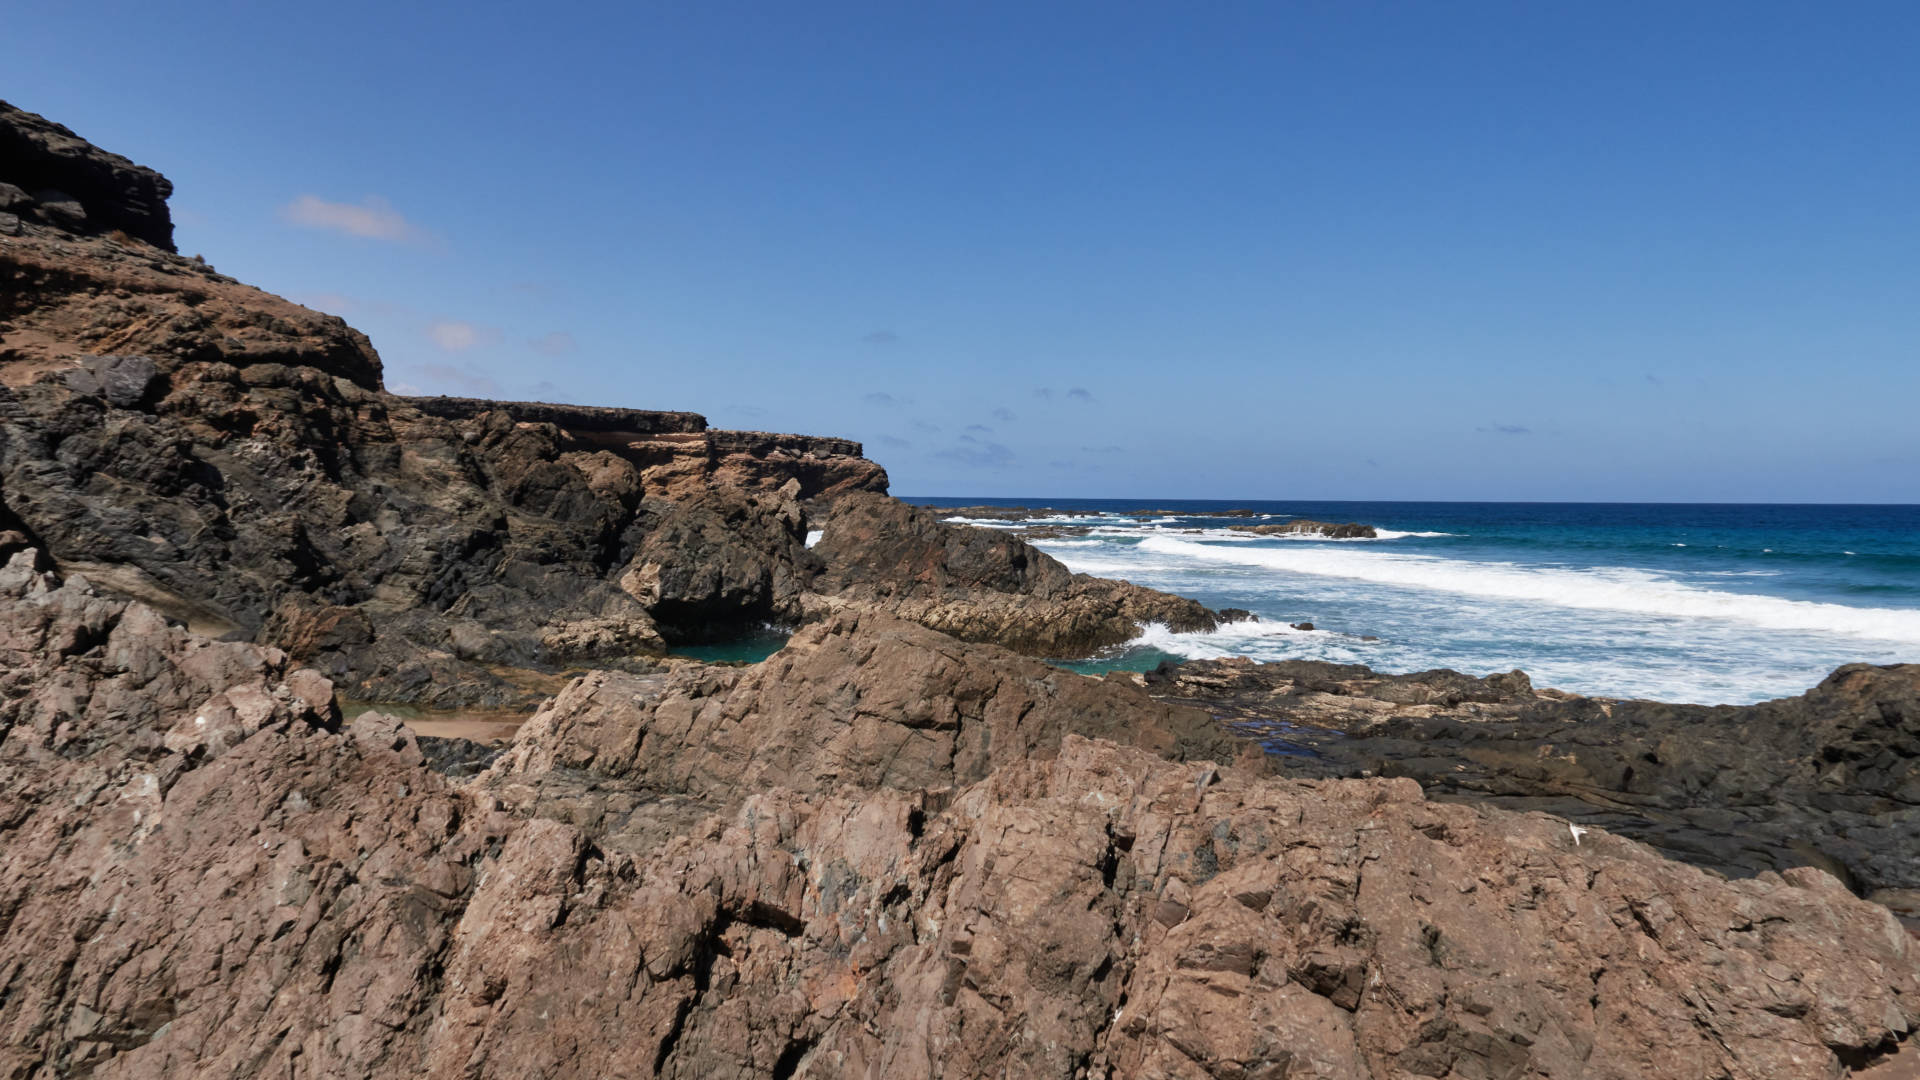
<point>982,584</point>
<point>230,458</point>
<point>77,185</point>
<point>1352,530</point>
<point>1829,779</point>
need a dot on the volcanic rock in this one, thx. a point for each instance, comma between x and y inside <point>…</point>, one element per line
<point>1352,530</point>
<point>230,459</point>
<point>1830,778</point>
<point>206,876</point>
<point>77,185</point>
<point>981,584</point>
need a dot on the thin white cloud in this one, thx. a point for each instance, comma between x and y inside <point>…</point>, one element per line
<point>455,336</point>
<point>463,380</point>
<point>374,218</point>
<point>558,343</point>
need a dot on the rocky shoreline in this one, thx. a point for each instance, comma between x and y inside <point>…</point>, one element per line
<point>902,845</point>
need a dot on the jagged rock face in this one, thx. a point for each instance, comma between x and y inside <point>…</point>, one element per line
<point>865,699</point>
<point>230,458</point>
<point>720,563</point>
<point>982,584</point>
<point>263,894</point>
<point>48,172</point>
<point>1830,778</point>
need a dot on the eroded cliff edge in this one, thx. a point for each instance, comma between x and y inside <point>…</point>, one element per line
<point>233,460</point>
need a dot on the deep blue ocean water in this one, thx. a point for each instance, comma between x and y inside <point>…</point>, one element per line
<point>1706,603</point>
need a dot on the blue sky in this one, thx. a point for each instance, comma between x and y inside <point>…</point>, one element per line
<point>1621,251</point>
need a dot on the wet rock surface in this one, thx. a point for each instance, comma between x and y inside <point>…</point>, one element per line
<point>1830,778</point>
<point>1325,530</point>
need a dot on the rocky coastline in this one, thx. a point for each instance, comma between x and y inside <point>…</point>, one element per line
<point>902,845</point>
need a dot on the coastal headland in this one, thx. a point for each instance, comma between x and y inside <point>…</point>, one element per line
<point>903,844</point>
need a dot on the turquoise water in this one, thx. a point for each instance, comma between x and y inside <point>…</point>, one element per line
<point>1706,603</point>
<point>748,650</point>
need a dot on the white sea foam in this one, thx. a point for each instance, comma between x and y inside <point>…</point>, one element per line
<point>1603,588</point>
<point>1396,534</point>
<point>1250,638</point>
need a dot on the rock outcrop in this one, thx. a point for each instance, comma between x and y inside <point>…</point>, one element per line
<point>982,584</point>
<point>206,876</point>
<point>864,699</point>
<point>231,459</point>
<point>54,176</point>
<point>1830,778</point>
<point>1324,530</point>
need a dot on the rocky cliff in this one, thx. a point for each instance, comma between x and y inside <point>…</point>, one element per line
<point>232,459</point>
<point>885,851</point>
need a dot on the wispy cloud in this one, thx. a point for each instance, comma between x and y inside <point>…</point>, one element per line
<point>467,382</point>
<point>881,337</point>
<point>1004,414</point>
<point>1109,449</point>
<point>885,400</point>
<point>980,427</point>
<point>1506,429</point>
<point>558,343</point>
<point>978,455</point>
<point>455,336</point>
<point>895,442</point>
<point>1079,393</point>
<point>925,425</point>
<point>374,218</point>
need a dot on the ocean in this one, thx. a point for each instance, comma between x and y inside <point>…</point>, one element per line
<point>1714,604</point>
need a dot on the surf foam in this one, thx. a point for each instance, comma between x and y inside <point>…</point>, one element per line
<point>1602,588</point>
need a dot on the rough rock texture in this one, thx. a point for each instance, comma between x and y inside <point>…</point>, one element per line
<point>205,878</point>
<point>864,699</point>
<point>722,561</point>
<point>230,458</point>
<point>1830,778</point>
<point>54,175</point>
<point>982,584</point>
<point>1325,530</point>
